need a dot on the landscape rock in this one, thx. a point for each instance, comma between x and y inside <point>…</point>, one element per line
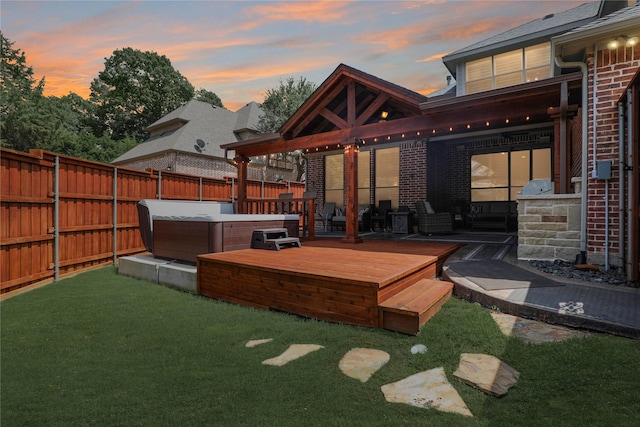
<point>428,389</point>
<point>253,343</point>
<point>295,351</point>
<point>362,363</point>
<point>487,373</point>
<point>533,332</point>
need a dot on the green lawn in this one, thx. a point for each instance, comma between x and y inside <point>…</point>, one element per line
<point>102,349</point>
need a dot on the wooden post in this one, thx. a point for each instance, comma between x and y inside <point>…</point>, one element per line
<point>351,193</point>
<point>562,160</point>
<point>241,164</point>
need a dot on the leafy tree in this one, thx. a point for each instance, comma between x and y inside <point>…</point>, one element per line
<point>134,90</point>
<point>22,125</point>
<point>279,104</point>
<point>208,96</point>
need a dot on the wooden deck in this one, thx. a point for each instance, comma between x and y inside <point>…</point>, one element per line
<point>355,284</point>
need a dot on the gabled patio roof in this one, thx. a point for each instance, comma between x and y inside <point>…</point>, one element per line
<point>332,117</point>
<point>345,113</point>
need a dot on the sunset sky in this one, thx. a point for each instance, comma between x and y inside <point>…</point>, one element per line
<point>240,49</point>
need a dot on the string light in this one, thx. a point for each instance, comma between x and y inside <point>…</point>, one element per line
<point>468,126</point>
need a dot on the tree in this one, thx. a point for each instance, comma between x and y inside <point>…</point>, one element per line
<point>208,96</point>
<point>279,104</point>
<point>30,120</point>
<point>24,113</point>
<point>134,90</point>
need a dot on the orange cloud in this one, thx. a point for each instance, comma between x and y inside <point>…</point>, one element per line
<point>306,11</point>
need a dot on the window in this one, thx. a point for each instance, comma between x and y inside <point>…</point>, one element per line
<point>510,68</point>
<point>388,175</point>
<point>501,176</point>
<point>364,178</point>
<point>479,75</point>
<point>334,179</point>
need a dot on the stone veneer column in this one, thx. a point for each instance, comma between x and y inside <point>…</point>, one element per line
<point>549,227</point>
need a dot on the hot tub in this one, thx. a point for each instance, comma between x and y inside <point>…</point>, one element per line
<point>182,230</point>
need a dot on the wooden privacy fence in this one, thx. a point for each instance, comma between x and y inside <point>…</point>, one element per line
<point>60,214</point>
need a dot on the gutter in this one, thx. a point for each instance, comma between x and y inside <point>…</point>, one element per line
<point>582,257</point>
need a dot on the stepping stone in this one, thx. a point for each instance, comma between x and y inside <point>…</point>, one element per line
<point>428,389</point>
<point>362,363</point>
<point>295,351</point>
<point>533,332</point>
<point>254,343</point>
<point>487,373</point>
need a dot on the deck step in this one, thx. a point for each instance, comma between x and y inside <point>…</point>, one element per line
<point>273,239</point>
<point>409,310</point>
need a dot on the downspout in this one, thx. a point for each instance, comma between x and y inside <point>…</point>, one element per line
<point>594,115</point>
<point>585,156</point>
<point>621,163</point>
<point>630,188</point>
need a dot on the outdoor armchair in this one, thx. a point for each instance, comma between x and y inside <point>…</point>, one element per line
<point>430,222</point>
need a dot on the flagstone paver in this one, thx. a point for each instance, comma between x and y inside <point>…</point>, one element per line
<point>362,363</point>
<point>428,389</point>
<point>294,352</point>
<point>253,343</point>
<point>487,373</point>
<point>532,331</point>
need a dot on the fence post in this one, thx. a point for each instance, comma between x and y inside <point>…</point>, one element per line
<point>233,189</point>
<point>115,216</point>
<point>200,192</point>
<point>262,190</point>
<point>159,185</point>
<point>56,220</point>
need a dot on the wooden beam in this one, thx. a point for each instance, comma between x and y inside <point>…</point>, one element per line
<point>351,193</point>
<point>351,104</point>
<point>241,163</point>
<point>333,118</point>
<point>311,115</point>
<point>372,108</point>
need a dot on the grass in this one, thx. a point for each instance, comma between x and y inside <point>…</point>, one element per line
<point>102,349</point>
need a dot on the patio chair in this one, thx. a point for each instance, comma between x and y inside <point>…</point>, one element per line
<point>326,215</point>
<point>382,213</point>
<point>284,207</point>
<point>430,222</point>
<point>364,218</point>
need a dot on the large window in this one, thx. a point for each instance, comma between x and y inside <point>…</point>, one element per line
<point>388,175</point>
<point>510,68</point>
<point>501,176</point>
<point>364,178</point>
<point>334,179</point>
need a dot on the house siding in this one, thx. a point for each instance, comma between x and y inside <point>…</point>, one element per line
<point>210,167</point>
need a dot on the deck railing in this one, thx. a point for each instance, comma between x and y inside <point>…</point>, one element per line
<point>305,207</point>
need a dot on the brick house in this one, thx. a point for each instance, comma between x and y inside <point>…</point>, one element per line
<point>187,140</point>
<point>521,111</point>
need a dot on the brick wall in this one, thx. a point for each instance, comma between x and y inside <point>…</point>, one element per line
<point>413,173</point>
<point>614,71</point>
